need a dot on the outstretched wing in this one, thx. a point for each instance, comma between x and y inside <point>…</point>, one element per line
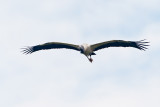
<point>49,45</point>
<point>120,43</point>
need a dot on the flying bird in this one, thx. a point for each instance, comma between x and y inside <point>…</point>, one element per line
<point>86,49</point>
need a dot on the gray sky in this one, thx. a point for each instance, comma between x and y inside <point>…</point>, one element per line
<point>123,77</point>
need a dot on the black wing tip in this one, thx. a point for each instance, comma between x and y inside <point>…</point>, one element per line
<point>142,44</point>
<point>27,50</point>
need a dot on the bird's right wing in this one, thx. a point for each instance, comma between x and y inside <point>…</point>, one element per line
<point>50,45</point>
<point>120,43</point>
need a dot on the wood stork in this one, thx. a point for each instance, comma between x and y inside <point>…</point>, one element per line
<point>86,49</point>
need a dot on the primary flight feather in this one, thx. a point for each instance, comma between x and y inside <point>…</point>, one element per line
<point>86,49</point>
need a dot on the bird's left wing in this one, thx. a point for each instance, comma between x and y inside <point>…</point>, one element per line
<point>49,45</point>
<point>120,43</point>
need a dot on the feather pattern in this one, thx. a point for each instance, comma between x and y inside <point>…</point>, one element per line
<point>49,45</point>
<point>120,43</point>
<point>86,49</point>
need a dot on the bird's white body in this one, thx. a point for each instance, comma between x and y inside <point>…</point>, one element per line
<point>87,49</point>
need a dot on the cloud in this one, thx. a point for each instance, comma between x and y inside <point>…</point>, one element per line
<point>117,77</point>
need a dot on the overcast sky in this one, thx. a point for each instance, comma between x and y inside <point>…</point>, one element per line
<point>118,77</point>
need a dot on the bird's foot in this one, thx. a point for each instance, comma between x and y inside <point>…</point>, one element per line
<point>91,60</point>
